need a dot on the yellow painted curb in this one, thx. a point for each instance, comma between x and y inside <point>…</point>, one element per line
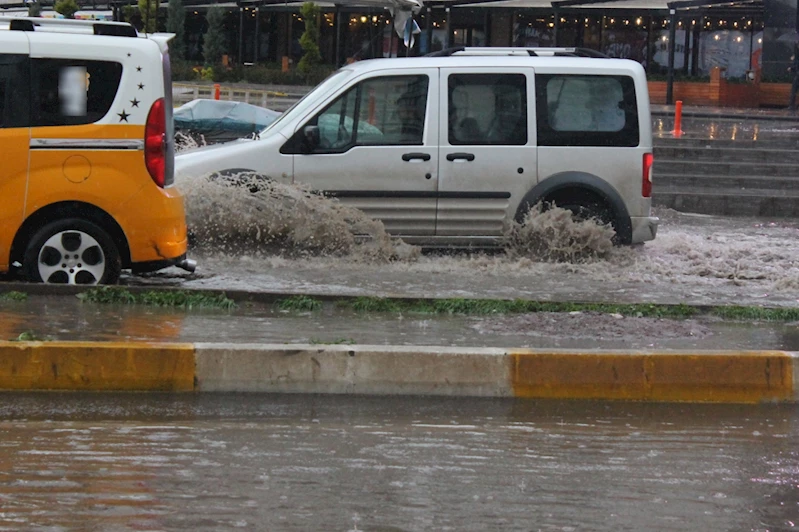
<point>732,377</point>
<point>96,366</point>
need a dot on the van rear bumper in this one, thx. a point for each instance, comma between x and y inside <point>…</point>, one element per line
<point>644,228</point>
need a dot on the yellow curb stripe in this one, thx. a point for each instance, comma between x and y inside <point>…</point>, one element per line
<point>96,366</point>
<point>735,377</point>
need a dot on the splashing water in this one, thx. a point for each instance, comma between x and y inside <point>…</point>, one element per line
<point>246,213</point>
<point>186,141</point>
<point>552,234</point>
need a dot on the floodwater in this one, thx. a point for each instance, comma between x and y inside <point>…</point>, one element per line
<point>694,259</point>
<point>274,462</point>
<point>285,240</point>
<point>67,318</point>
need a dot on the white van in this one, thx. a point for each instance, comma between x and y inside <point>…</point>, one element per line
<point>448,149</point>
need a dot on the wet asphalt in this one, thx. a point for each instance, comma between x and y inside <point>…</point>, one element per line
<point>66,318</point>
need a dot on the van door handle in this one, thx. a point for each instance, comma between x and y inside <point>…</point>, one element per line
<point>460,155</point>
<point>415,156</point>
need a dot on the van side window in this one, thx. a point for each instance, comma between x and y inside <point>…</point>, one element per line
<point>487,109</point>
<point>14,83</point>
<point>72,91</point>
<point>583,110</point>
<point>380,111</point>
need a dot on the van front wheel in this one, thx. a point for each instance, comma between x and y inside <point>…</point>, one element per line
<point>72,251</point>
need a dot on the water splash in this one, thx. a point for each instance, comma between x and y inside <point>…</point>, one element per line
<point>552,234</point>
<point>247,213</point>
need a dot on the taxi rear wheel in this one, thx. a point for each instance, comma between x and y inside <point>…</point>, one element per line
<point>72,251</point>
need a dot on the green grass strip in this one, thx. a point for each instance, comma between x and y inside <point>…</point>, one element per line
<point>451,306</point>
<point>157,298</point>
<point>14,296</point>
<point>483,307</point>
<point>299,304</point>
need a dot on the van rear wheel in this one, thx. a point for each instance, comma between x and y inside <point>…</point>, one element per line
<point>588,211</point>
<point>72,251</point>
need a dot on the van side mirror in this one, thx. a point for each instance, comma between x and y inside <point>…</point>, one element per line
<point>312,138</point>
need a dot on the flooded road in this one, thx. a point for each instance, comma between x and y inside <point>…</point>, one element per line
<point>68,318</point>
<point>272,462</point>
<point>694,259</point>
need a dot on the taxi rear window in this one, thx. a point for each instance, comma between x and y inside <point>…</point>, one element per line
<point>72,91</point>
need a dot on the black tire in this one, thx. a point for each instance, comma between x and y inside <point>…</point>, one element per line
<point>589,211</point>
<point>49,259</point>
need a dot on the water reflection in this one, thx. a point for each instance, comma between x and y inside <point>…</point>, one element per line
<point>739,130</point>
<point>271,462</point>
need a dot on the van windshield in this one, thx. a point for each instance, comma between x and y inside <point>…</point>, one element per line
<point>306,101</point>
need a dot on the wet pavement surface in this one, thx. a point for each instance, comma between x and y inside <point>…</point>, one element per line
<point>67,318</point>
<point>695,259</point>
<point>273,462</point>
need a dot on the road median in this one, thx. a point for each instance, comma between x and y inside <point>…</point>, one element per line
<point>662,376</point>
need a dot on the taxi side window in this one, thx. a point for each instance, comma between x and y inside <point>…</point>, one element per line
<point>72,91</point>
<point>14,81</point>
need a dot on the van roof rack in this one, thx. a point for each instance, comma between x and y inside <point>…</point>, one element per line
<point>521,50</point>
<point>56,25</point>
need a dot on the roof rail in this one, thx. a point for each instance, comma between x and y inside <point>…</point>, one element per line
<point>56,25</point>
<point>520,50</point>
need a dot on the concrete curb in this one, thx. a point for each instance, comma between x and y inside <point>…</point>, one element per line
<point>668,376</point>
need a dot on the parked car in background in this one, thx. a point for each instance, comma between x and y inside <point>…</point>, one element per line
<point>214,121</point>
<point>449,149</point>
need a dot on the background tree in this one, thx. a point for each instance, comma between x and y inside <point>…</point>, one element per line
<point>128,12</point>
<point>214,45</point>
<point>175,23</point>
<point>67,8</point>
<point>310,39</point>
<point>148,9</point>
<point>34,9</point>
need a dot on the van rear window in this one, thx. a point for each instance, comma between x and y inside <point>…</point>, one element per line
<point>584,110</point>
<point>72,91</point>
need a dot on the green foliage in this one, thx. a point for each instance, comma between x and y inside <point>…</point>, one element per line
<point>756,313</point>
<point>214,46</point>
<point>14,296</point>
<point>264,74</point>
<point>35,9</point>
<point>30,336</point>
<point>67,8</point>
<point>175,23</point>
<point>128,12</point>
<point>310,39</point>
<point>375,304</point>
<point>482,307</point>
<point>299,304</point>
<point>148,9</point>
<point>206,73</point>
<point>157,298</point>
<point>182,70</point>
